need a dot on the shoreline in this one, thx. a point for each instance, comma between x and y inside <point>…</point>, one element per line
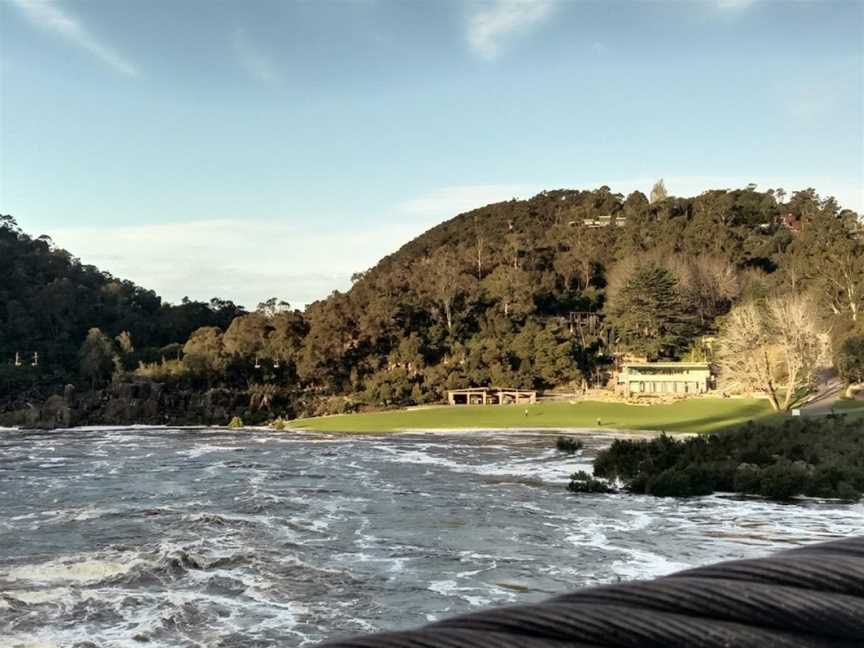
<point>584,431</point>
<point>452,431</point>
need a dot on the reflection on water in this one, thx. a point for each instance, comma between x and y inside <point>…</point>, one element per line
<point>217,538</point>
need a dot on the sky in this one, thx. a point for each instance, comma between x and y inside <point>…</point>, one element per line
<point>255,149</point>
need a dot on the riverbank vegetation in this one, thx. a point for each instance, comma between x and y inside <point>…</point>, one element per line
<point>815,457</point>
<point>568,445</point>
<point>533,294</point>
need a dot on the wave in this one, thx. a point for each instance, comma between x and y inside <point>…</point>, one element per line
<point>69,570</point>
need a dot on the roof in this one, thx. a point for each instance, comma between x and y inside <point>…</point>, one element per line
<point>666,365</point>
<point>489,389</point>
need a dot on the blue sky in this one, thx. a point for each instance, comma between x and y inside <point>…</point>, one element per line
<point>252,149</point>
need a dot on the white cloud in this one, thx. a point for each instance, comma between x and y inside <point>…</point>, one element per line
<point>246,261</point>
<point>499,21</point>
<point>256,63</point>
<point>447,202</point>
<point>46,15</point>
<point>252,260</point>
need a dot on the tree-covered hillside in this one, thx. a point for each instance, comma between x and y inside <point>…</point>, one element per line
<point>49,301</point>
<point>535,293</point>
<point>540,293</point>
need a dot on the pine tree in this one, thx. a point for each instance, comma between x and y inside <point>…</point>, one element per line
<point>649,315</point>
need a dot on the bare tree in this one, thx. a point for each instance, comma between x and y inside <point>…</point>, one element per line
<point>794,323</point>
<point>709,284</point>
<point>764,345</point>
<point>658,191</point>
<point>745,354</point>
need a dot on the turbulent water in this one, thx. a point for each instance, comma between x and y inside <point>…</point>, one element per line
<point>218,538</point>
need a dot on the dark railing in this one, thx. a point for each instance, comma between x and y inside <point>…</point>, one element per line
<point>808,597</point>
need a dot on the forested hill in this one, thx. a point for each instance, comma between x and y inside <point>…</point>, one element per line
<point>49,300</point>
<point>540,293</point>
<point>530,293</point>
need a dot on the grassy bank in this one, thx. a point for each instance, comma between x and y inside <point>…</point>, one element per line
<point>698,415</point>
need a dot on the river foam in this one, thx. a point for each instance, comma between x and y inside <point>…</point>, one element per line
<point>163,537</point>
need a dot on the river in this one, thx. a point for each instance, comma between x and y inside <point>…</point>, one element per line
<point>217,538</point>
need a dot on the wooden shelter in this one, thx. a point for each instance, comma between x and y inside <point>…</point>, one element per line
<point>491,396</point>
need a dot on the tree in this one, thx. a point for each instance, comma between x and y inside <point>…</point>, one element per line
<point>793,320</point>
<point>708,284</point>
<point>124,342</point>
<point>850,359</point>
<point>247,336</point>
<point>511,287</point>
<point>658,192</point>
<point>547,353</point>
<point>96,358</point>
<point>829,253</point>
<point>581,257</point>
<point>285,341</point>
<point>763,345</point>
<point>441,282</point>
<point>273,306</point>
<point>649,316</point>
<point>745,355</point>
<point>204,352</point>
<point>329,347</point>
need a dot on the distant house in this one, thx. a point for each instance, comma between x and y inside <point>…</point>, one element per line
<point>792,223</point>
<point>605,221</point>
<point>657,378</point>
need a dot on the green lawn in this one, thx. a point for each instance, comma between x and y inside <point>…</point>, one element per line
<point>848,405</point>
<point>697,415</point>
<point>853,409</point>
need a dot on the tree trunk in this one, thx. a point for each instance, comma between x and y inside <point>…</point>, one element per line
<point>773,398</point>
<point>790,388</point>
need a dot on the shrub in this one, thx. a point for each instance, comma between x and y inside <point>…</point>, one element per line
<point>162,371</point>
<point>821,457</point>
<point>236,422</point>
<point>850,359</point>
<point>279,424</point>
<point>582,482</point>
<point>836,481</point>
<point>568,445</point>
<point>784,480</point>
<point>748,477</point>
<point>681,482</point>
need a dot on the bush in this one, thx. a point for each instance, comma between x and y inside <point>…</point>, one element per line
<point>748,478</point>
<point>162,371</point>
<point>784,480</point>
<point>236,422</point>
<point>568,445</point>
<point>820,457</point>
<point>681,482</point>
<point>850,359</point>
<point>582,482</point>
<point>279,424</point>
